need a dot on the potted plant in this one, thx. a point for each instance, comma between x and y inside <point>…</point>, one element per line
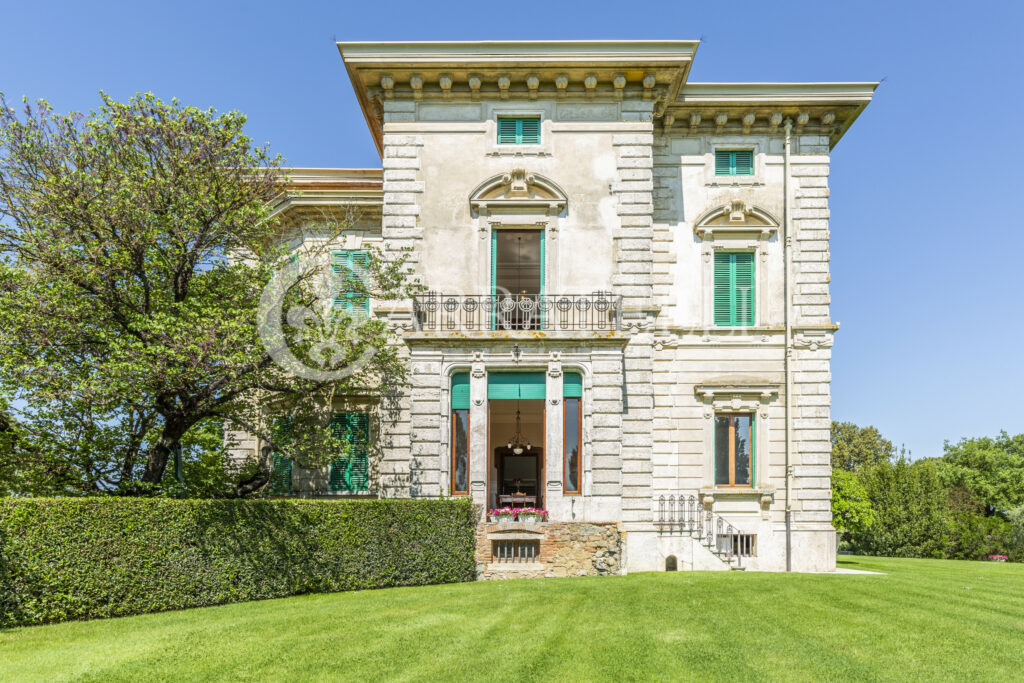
<point>998,558</point>
<point>531,516</point>
<point>504,515</point>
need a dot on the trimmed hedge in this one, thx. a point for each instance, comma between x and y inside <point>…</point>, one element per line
<point>75,558</point>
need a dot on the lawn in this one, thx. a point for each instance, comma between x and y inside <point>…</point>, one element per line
<point>923,619</point>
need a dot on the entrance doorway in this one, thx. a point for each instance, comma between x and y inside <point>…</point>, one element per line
<point>516,453</point>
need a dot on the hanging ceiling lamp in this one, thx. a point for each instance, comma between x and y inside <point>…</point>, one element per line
<point>517,444</point>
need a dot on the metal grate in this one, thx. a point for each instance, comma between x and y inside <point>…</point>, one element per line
<point>515,551</point>
<point>743,545</point>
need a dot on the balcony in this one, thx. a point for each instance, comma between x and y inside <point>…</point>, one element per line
<point>596,312</point>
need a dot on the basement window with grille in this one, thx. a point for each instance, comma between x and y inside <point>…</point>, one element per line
<point>743,545</point>
<point>515,551</point>
<point>734,162</point>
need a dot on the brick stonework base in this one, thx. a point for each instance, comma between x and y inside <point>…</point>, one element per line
<point>566,549</point>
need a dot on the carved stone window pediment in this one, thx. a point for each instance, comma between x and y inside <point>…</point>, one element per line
<point>736,217</point>
<point>750,398</point>
<point>518,192</point>
<point>736,221</point>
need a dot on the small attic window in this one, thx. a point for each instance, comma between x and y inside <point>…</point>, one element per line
<point>734,162</point>
<point>518,130</point>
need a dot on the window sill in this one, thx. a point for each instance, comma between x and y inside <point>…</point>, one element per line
<point>515,151</point>
<point>734,181</point>
<point>737,491</point>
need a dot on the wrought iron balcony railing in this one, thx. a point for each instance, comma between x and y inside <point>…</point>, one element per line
<point>507,312</point>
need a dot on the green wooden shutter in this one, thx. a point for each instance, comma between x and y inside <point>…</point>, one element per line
<point>529,131</point>
<point>743,162</point>
<point>734,162</point>
<point>351,268</point>
<point>516,130</point>
<point>723,291</point>
<point>359,427</point>
<point>507,130</point>
<point>281,469</point>
<point>743,289</point>
<point>572,385</point>
<point>460,391</point>
<point>734,288</point>
<point>351,473</point>
<point>721,162</point>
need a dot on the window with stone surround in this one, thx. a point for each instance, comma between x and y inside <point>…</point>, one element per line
<point>734,162</point>
<point>518,130</point>
<point>734,449</point>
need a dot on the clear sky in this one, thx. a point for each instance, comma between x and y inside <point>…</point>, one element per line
<point>927,235</point>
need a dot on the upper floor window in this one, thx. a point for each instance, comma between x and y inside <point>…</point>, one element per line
<point>734,288</point>
<point>518,130</point>
<point>734,162</point>
<point>351,471</point>
<point>350,276</point>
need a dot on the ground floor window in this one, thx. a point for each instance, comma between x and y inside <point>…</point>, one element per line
<point>573,417</point>
<point>460,451</point>
<point>350,472</point>
<point>281,465</point>
<point>734,449</point>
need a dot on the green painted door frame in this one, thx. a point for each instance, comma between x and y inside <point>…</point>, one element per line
<point>494,272</point>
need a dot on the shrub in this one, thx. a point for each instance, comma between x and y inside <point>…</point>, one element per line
<point>81,558</point>
<point>911,515</point>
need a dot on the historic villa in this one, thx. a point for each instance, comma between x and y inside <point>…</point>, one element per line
<point>627,321</point>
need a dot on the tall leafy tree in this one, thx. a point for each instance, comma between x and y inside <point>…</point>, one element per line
<point>136,242</point>
<point>854,447</point>
<point>991,469</point>
<point>851,505</point>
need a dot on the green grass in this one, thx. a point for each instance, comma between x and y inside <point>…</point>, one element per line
<point>924,619</point>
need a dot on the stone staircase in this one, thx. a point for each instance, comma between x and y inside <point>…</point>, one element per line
<point>685,514</point>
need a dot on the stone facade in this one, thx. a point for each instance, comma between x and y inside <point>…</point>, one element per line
<point>623,191</point>
<point>564,549</point>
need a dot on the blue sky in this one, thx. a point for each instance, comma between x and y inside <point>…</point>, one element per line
<point>927,235</point>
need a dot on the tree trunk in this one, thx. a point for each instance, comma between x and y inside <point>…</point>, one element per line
<point>160,452</point>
